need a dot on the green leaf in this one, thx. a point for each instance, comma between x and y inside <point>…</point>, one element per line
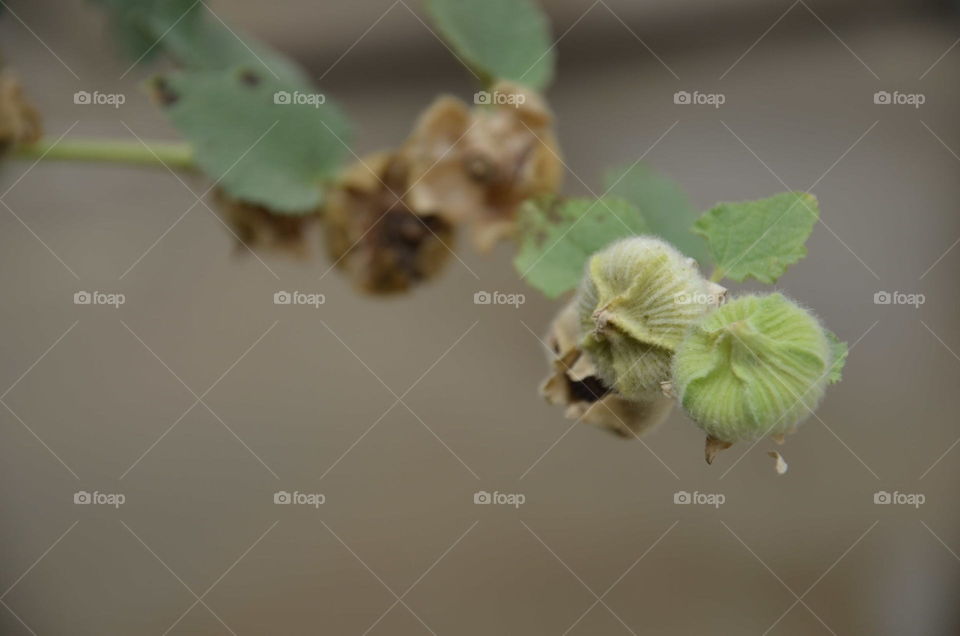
<point>759,238</point>
<point>139,25</point>
<point>274,154</point>
<point>840,350</point>
<point>193,36</point>
<point>664,206</point>
<point>557,237</point>
<point>211,44</point>
<point>498,39</point>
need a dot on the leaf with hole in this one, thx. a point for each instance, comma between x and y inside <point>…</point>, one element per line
<point>256,136</point>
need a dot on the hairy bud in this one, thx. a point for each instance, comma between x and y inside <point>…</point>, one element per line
<point>637,301</point>
<point>755,367</point>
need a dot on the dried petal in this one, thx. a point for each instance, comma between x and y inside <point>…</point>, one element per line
<point>574,384</point>
<point>258,228</point>
<point>19,121</point>
<point>373,235</point>
<point>625,417</point>
<point>781,462</point>
<point>713,447</point>
<point>477,166</point>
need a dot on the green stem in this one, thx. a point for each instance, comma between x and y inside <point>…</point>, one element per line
<point>717,275</point>
<point>156,153</point>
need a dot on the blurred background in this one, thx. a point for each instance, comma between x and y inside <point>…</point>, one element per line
<point>199,398</point>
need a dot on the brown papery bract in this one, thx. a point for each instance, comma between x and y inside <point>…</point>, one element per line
<point>573,384</point>
<point>374,236</point>
<point>19,121</point>
<point>477,165</point>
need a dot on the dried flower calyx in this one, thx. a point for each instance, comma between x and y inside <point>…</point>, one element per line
<point>390,219</point>
<point>476,166</point>
<point>373,234</point>
<point>573,383</point>
<point>755,367</point>
<point>256,227</point>
<point>19,121</point>
<point>637,300</point>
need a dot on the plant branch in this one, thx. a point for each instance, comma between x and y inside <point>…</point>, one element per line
<point>157,153</point>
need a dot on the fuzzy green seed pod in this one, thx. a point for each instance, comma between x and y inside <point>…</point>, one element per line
<point>638,299</point>
<point>754,367</point>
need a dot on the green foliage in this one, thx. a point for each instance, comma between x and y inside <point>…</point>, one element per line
<point>664,206</point>
<point>759,238</point>
<point>224,101</point>
<point>557,236</point>
<point>840,351</point>
<point>212,45</point>
<point>224,114</point>
<point>498,39</point>
<point>137,25</point>
<point>194,37</point>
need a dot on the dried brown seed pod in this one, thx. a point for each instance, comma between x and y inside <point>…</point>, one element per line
<point>476,166</point>
<point>258,228</point>
<point>373,235</point>
<point>574,384</point>
<point>19,121</point>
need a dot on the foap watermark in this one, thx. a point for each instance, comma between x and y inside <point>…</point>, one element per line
<point>699,298</point>
<point>498,298</point>
<point>499,98</point>
<point>898,298</point>
<point>297,498</point>
<point>96,98</point>
<point>884,498</point>
<point>298,98</point>
<point>696,98</point>
<point>714,499</point>
<point>99,298</point>
<point>299,298</point>
<point>896,98</point>
<point>97,498</point>
<point>515,499</point>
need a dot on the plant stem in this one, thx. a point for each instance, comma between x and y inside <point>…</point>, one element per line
<point>157,153</point>
<point>717,275</point>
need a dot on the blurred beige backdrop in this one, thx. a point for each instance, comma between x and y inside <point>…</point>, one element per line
<point>804,553</point>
